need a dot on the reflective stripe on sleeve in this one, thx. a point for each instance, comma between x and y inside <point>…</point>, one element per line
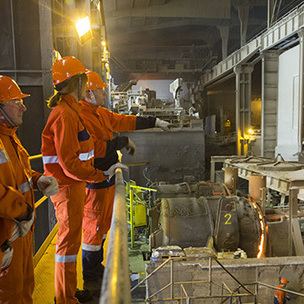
<point>54,159</point>
<point>27,186</point>
<point>3,156</point>
<point>65,258</point>
<point>50,159</point>
<point>88,247</point>
<point>86,156</point>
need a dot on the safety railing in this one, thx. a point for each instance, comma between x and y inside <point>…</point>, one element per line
<point>184,297</point>
<point>116,281</point>
<point>51,235</point>
<point>131,207</point>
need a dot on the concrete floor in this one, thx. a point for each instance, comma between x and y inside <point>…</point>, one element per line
<point>137,268</point>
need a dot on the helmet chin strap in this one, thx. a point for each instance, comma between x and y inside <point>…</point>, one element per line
<point>92,98</point>
<point>7,118</point>
<point>79,88</point>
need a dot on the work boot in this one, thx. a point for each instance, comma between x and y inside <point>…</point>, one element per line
<point>94,287</point>
<point>83,295</point>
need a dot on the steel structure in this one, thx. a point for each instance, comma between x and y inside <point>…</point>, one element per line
<point>286,182</point>
<point>116,281</point>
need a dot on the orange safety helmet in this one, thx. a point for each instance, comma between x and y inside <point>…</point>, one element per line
<point>94,81</point>
<point>284,281</point>
<point>9,89</point>
<point>65,68</point>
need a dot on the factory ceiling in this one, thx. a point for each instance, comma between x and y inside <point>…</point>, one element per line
<point>181,38</point>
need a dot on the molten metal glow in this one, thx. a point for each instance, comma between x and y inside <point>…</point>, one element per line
<point>263,230</point>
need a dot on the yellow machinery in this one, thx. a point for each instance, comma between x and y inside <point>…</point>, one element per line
<point>136,207</point>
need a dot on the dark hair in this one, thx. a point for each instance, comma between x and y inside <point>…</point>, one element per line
<point>66,87</point>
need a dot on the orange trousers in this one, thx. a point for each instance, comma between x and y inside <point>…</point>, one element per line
<point>17,281</point>
<point>69,203</point>
<point>97,216</point>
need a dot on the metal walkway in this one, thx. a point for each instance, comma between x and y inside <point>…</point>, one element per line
<point>282,33</point>
<point>44,291</point>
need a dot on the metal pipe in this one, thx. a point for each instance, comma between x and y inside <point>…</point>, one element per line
<point>200,297</point>
<point>149,275</point>
<point>35,156</point>
<point>286,290</point>
<point>248,290</point>
<point>116,281</point>
<point>183,290</point>
<point>13,34</point>
<point>39,202</point>
<point>171,279</point>
<point>160,290</point>
<point>131,217</point>
<point>210,276</point>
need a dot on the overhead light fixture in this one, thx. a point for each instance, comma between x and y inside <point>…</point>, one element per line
<point>84,31</point>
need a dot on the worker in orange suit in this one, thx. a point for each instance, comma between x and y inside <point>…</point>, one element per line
<point>17,204</point>
<point>68,154</point>
<point>280,296</point>
<point>100,196</point>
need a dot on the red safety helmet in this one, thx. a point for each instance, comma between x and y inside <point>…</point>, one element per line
<point>94,81</point>
<point>9,89</point>
<point>284,281</point>
<point>65,68</point>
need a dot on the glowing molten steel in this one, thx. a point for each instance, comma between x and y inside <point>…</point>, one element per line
<point>263,229</point>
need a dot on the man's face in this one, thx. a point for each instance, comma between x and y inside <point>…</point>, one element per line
<point>15,109</point>
<point>100,96</point>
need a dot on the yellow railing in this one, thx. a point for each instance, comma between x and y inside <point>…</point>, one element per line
<point>51,235</point>
<point>131,209</point>
<point>35,156</point>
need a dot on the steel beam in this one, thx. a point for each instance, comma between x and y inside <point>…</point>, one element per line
<point>282,30</point>
<point>243,106</point>
<point>270,68</point>
<point>197,9</point>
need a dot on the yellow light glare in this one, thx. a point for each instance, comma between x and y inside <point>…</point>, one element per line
<point>103,43</point>
<point>98,6</point>
<point>83,26</point>
<point>250,131</point>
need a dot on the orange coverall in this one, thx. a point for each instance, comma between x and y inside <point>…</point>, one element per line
<point>98,209</point>
<point>16,191</point>
<point>68,152</point>
<point>279,295</point>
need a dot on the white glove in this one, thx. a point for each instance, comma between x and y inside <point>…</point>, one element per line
<point>111,171</point>
<point>48,185</point>
<point>23,226</point>
<point>131,147</point>
<point>7,257</point>
<point>162,124</point>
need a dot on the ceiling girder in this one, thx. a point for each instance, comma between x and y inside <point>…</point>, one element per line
<point>195,9</point>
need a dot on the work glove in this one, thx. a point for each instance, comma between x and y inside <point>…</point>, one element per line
<point>23,224</point>
<point>8,251</point>
<point>111,171</point>
<point>48,185</point>
<point>131,147</point>
<point>162,124</point>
